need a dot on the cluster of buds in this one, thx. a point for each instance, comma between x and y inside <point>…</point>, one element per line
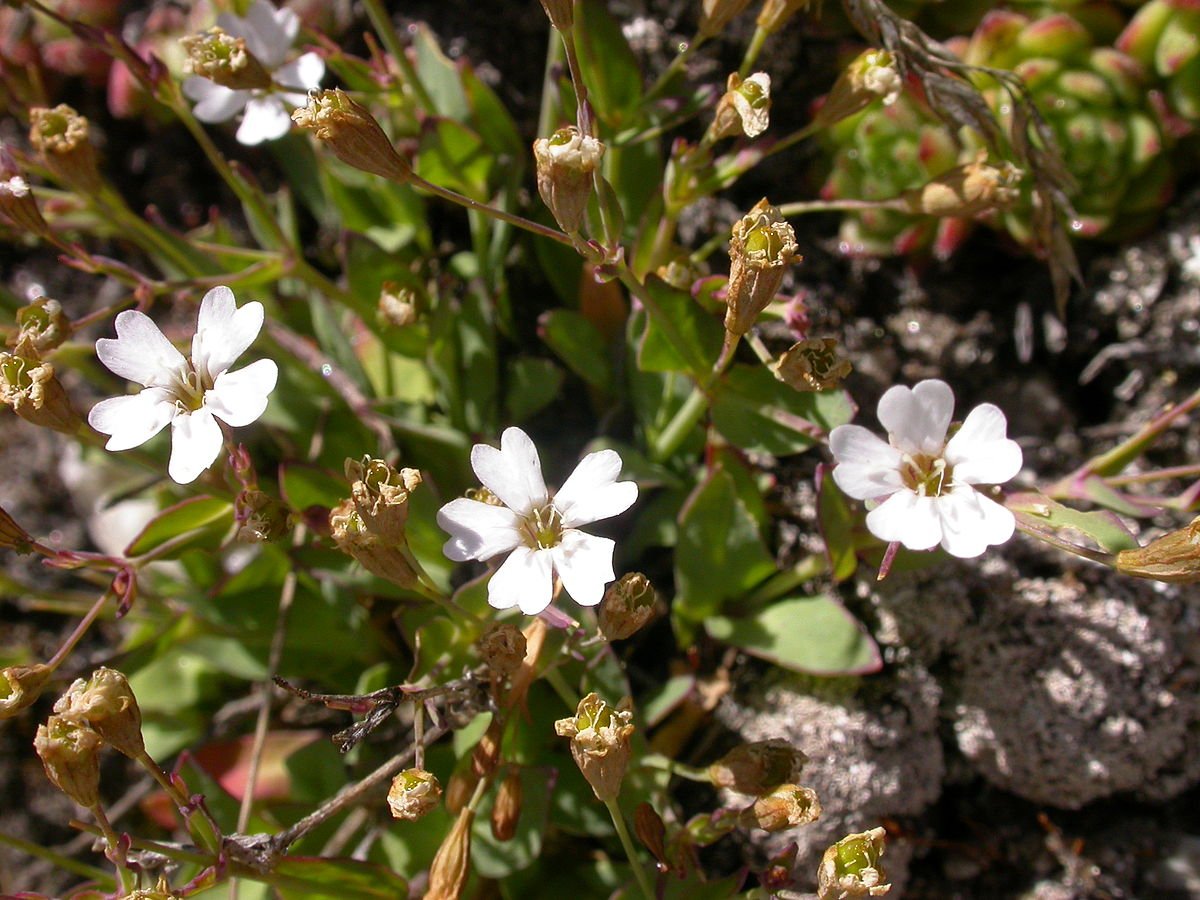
<point>744,108</point>
<point>629,604</point>
<point>370,526</point>
<point>600,743</point>
<point>871,76</point>
<point>565,163</point>
<point>224,59</point>
<point>812,365</point>
<point>758,767</point>
<point>60,135</point>
<point>259,516</point>
<point>28,385</point>
<point>414,793</point>
<point>762,247</point>
<point>1174,557</point>
<point>352,133</point>
<point>502,648</point>
<point>850,868</point>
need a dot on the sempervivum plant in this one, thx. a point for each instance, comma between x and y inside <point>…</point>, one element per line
<point>1164,37</point>
<point>1095,101</point>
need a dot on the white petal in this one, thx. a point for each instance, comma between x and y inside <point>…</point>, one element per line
<point>214,102</point>
<point>478,530</point>
<point>907,518</point>
<point>132,420</point>
<point>917,419</point>
<point>971,522</point>
<point>867,467</point>
<point>140,352</point>
<point>223,332</point>
<point>265,120</point>
<point>584,563</point>
<point>980,453</point>
<point>239,398</point>
<point>195,444</point>
<point>524,580</point>
<point>592,491</point>
<point>513,473</point>
<point>269,32</point>
<point>302,74</point>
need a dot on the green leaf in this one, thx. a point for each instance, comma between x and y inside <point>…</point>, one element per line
<point>836,522</point>
<point>662,699</point>
<point>815,635</point>
<point>757,412</point>
<point>187,515</point>
<point>303,486</point>
<point>440,76</point>
<point>309,878</point>
<point>391,215</point>
<point>452,155</point>
<point>678,336</point>
<point>578,343</point>
<point>1101,526</point>
<point>532,385</point>
<point>493,121</point>
<point>610,69</point>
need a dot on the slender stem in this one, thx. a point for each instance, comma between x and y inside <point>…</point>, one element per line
<point>80,630</point>
<point>639,871</point>
<point>753,51</point>
<point>150,239</point>
<point>786,581</point>
<point>555,55</point>
<point>675,67</point>
<point>674,767</point>
<point>66,863</point>
<point>811,206</point>
<point>794,138</point>
<point>1157,475</point>
<point>124,876</point>
<point>555,678</point>
<point>495,212</point>
<point>694,408</point>
<point>583,113</point>
<point>211,836</point>
<point>382,23</point>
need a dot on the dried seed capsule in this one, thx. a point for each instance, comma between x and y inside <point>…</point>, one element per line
<point>503,648</point>
<point>353,134</point>
<point>70,754</point>
<point>506,811</point>
<point>29,386</point>
<point>1174,557</point>
<point>106,704</point>
<point>61,136</point>
<point>450,867</point>
<point>225,60</point>
<point>600,736</point>
<point>786,806</point>
<point>744,108</point>
<point>758,767</point>
<point>812,365</point>
<point>414,792</point>
<point>761,248</point>
<point>565,163</point>
<point>20,686</point>
<point>850,868</point>
<point>629,603</point>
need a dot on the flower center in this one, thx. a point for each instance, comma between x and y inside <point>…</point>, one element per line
<point>927,476</point>
<point>189,388</point>
<point>543,527</point>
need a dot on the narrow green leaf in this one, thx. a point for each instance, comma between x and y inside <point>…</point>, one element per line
<point>187,515</point>
<point>1101,526</point>
<point>532,385</point>
<point>578,343</point>
<point>836,522</point>
<point>310,878</point>
<point>454,156</point>
<point>678,336</point>
<point>757,412</point>
<point>440,76</point>
<point>610,69</point>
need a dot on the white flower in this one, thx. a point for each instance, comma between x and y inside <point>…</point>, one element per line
<point>269,33</point>
<point>925,482</point>
<point>538,532</point>
<point>188,393</point>
<point>15,186</point>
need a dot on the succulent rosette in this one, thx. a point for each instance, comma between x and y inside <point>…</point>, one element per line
<point>1164,36</point>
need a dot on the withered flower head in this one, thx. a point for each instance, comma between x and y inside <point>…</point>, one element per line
<point>41,325</point>
<point>413,794</point>
<point>259,517</point>
<point>871,76</point>
<point>380,493</point>
<point>29,386</point>
<point>397,305</point>
<point>812,365</point>
<point>20,686</point>
<point>600,743</point>
<point>565,163</point>
<point>70,754</point>
<point>502,648</point>
<point>968,189</point>
<point>224,59</point>
<point>758,767</point>
<point>61,136</point>
<point>786,806</point>
<point>629,603</point>
<point>451,865</point>
<point>744,108</point>
<point>353,134</point>
<point>105,703</point>
<point>393,563</point>
<point>850,868</point>
<point>20,206</point>
<point>1174,557</point>
<point>762,247</point>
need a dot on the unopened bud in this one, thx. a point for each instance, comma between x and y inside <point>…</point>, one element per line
<point>871,76</point>
<point>600,743</point>
<point>41,325</point>
<point>30,387</point>
<point>413,794</point>
<point>967,190</point>
<point>259,518</point>
<point>70,754</point>
<point>560,12</point>
<point>224,59</point>
<point>776,13</point>
<point>744,108</point>
<point>1174,557</point>
<point>786,806</point>
<point>565,163</point>
<point>106,704</point>
<point>629,603</point>
<point>61,136</point>
<point>353,134</point>
<point>812,365</point>
<point>460,788</point>
<point>397,305</point>
<point>450,867</point>
<point>762,247</point>
<point>391,563</point>
<point>502,648</point>
<point>380,494</point>
<point>716,14</point>
<point>19,205</point>
<point>12,535</point>
<point>850,868</point>
<point>652,832</point>
<point>506,811</point>
<point>758,767</point>
<point>486,756</point>
<point>705,829</point>
<point>20,686</point>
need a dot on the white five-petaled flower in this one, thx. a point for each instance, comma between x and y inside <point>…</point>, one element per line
<point>537,530</point>
<point>269,33</point>
<point>188,393</point>
<point>924,482</point>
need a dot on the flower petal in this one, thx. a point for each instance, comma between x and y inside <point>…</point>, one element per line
<point>867,466</point>
<point>223,332</point>
<point>478,530</point>
<point>584,563</point>
<point>907,518</point>
<point>140,352</point>
<point>592,491</point>
<point>131,421</point>
<point>265,120</point>
<point>269,32</point>
<point>513,473</point>
<point>916,420</point>
<point>971,522</point>
<point>304,73</point>
<point>195,444</point>
<point>239,398</point>
<point>214,102</point>
<point>524,580</point>
<point>980,453</point>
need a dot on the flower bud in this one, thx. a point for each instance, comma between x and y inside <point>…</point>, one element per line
<point>70,754</point>
<point>41,325</point>
<point>600,736</point>
<point>758,767</point>
<point>61,136</point>
<point>353,134</point>
<point>19,205</point>
<point>259,517</point>
<point>506,811</point>
<point>871,76</point>
<point>776,13</point>
<point>786,806</point>
<point>397,305</point>
<point>744,108</point>
<point>762,247</point>
<point>565,163</point>
<point>105,703</point>
<point>967,190</point>
<point>502,648</point>
<point>380,494</point>
<point>414,792</point>
<point>13,536</point>
<point>652,832</point>
<point>30,387</point>
<point>560,12</point>
<point>708,828</point>
<point>486,756</point>
<point>850,868</point>
<point>460,788</point>
<point>450,867</point>
<point>20,686</point>
<point>224,59</point>
<point>1174,557</point>
<point>812,365</point>
<point>391,563</point>
<point>629,603</point>
<point>716,14</point>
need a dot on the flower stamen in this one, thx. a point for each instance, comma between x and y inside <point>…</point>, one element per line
<point>544,528</point>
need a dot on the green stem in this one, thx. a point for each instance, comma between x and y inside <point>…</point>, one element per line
<point>788,580</point>
<point>124,876</point>
<point>694,408</point>
<point>80,630</point>
<point>66,863</point>
<point>639,871</point>
<point>555,55</point>
<point>382,24</point>
<point>555,679</point>
<point>752,52</point>
<point>816,206</point>
<point>149,238</point>
<point>794,138</point>
<point>210,835</point>
<point>673,69</point>
<point>674,767</point>
<point>494,212</point>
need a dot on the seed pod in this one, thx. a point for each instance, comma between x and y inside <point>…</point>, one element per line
<point>486,756</point>
<point>20,686</point>
<point>565,163</point>
<point>506,810</point>
<point>850,868</point>
<point>450,867</point>
<point>225,60</point>
<point>629,603</point>
<point>61,136</point>
<point>352,133</point>
<point>106,704</point>
<point>652,832</point>
<point>414,792</point>
<point>812,365</point>
<point>70,754</point>
<point>761,248</point>
<point>744,108</point>
<point>41,324</point>
<point>30,387</point>
<point>600,736</point>
<point>460,788</point>
<point>502,648</point>
<point>1174,557</point>
<point>786,806</point>
<point>380,494</point>
<point>349,532</point>
<point>758,767</point>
